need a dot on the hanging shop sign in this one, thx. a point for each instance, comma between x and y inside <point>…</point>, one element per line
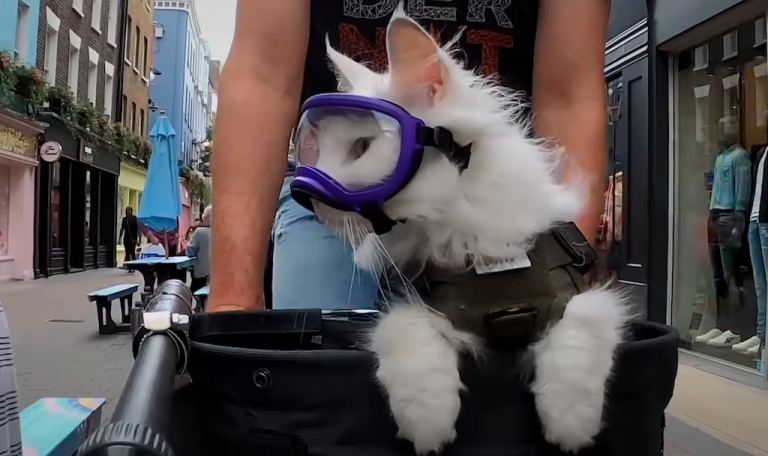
<point>50,151</point>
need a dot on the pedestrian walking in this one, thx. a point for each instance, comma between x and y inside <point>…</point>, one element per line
<point>129,231</point>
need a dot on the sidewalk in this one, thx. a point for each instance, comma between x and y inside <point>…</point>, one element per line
<point>55,337</point>
<point>712,415</point>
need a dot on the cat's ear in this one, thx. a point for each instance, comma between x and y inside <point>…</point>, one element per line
<point>348,72</point>
<point>415,61</point>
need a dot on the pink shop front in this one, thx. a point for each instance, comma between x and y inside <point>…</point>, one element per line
<point>18,161</point>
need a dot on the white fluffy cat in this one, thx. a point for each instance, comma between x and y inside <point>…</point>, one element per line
<point>494,209</point>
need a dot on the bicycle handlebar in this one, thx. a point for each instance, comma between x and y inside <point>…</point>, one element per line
<point>161,348</point>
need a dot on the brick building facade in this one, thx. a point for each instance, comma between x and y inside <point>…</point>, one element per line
<point>78,48</point>
<point>137,64</point>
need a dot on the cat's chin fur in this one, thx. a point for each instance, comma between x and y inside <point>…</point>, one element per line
<point>494,209</point>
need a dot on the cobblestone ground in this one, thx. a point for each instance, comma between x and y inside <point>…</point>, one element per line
<point>67,357</point>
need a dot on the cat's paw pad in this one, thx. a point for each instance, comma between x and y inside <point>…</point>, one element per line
<point>569,423</point>
<point>429,427</point>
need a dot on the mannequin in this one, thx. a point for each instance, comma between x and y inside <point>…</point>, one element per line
<point>729,203</point>
<point>758,251</point>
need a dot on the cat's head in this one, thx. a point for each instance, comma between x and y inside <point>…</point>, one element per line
<point>507,195</point>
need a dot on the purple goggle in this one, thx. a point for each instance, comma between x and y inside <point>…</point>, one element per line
<point>376,123</point>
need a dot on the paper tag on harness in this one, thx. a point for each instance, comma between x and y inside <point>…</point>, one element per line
<point>490,266</point>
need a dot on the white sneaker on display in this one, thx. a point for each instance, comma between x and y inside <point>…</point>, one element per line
<point>753,350</point>
<point>742,347</point>
<point>709,335</point>
<point>725,339</point>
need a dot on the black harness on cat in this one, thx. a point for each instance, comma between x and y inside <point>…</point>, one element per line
<point>512,307</point>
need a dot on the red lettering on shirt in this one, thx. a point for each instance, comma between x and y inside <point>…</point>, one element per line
<point>373,53</point>
<point>354,45</point>
<point>490,42</point>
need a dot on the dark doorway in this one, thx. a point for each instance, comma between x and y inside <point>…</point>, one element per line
<point>628,198</point>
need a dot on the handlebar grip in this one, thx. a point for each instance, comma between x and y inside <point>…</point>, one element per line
<point>126,439</point>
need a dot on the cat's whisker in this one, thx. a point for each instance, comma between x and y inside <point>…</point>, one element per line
<point>348,232</point>
<point>408,289</point>
<point>382,275</point>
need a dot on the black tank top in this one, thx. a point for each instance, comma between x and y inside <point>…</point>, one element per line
<point>498,36</point>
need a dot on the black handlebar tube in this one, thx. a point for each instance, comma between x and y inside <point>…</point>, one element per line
<point>161,349</point>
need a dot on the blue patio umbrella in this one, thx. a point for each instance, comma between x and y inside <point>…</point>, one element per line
<point>161,202</point>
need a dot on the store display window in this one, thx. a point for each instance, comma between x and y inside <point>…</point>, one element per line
<point>720,208</point>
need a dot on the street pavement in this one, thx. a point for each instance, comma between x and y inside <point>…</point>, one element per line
<point>59,353</point>
<point>58,350</point>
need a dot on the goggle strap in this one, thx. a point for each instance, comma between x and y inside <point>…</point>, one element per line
<point>380,221</point>
<point>442,139</point>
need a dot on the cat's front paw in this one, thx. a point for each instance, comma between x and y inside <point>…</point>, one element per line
<point>573,363</point>
<point>428,423</point>
<point>417,353</point>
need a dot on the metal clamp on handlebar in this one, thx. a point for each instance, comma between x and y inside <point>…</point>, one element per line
<point>169,311</point>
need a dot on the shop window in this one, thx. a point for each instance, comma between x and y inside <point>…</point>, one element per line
<point>719,139</point>
<point>761,31</point>
<point>701,57</point>
<point>56,206</point>
<point>761,94</point>
<point>702,112</point>
<point>730,45</point>
<point>5,182</point>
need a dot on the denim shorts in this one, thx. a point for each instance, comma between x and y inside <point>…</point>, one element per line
<point>311,267</point>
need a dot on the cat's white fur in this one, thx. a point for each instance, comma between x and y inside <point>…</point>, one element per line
<point>509,193</point>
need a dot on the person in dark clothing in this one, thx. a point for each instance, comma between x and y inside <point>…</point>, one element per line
<point>129,231</point>
<point>279,59</point>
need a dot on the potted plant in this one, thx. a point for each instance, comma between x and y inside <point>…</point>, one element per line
<point>7,79</point>
<point>145,151</point>
<point>85,116</point>
<point>59,100</point>
<point>29,83</point>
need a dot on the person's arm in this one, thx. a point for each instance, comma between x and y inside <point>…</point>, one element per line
<point>258,101</point>
<point>192,247</point>
<point>569,94</point>
<point>122,228</point>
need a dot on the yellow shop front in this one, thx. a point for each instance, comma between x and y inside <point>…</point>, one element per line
<point>130,186</point>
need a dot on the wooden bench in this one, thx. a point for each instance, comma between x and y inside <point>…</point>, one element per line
<point>201,296</point>
<point>104,298</point>
<point>56,426</point>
